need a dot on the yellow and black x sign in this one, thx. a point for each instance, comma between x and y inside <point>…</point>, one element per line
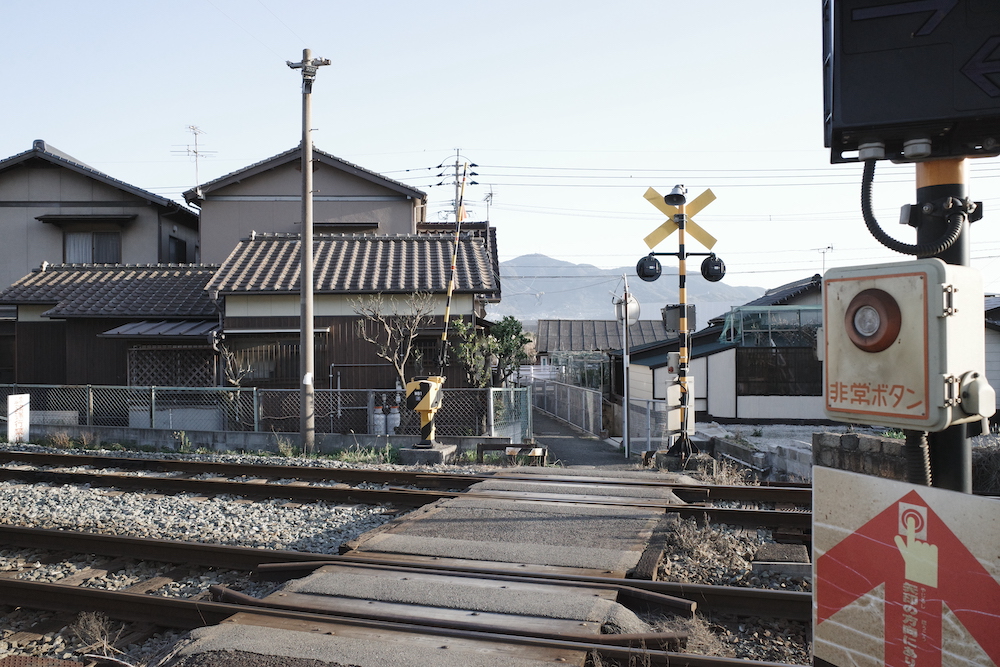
<point>669,227</point>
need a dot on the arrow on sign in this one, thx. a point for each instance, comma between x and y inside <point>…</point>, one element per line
<point>939,7</point>
<point>978,67</point>
<point>923,567</point>
<point>669,227</point>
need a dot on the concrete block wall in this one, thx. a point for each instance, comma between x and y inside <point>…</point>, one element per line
<point>249,441</point>
<point>855,452</point>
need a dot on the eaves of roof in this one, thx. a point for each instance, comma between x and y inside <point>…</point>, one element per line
<point>358,264</point>
<point>116,290</point>
<point>198,193</point>
<point>781,295</point>
<point>42,151</point>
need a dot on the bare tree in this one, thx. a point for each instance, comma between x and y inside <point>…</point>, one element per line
<point>234,369</point>
<point>392,325</point>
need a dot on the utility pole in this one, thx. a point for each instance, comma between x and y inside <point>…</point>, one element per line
<point>307,403</point>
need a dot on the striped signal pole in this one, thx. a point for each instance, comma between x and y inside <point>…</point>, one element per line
<point>678,197</point>
<point>680,212</point>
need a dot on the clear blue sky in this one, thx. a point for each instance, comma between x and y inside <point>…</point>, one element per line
<point>571,109</point>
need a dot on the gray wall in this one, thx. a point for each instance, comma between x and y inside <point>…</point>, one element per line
<point>270,202</point>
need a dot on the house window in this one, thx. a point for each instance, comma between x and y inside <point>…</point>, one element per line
<point>778,371</point>
<point>92,247</point>
<point>176,251</point>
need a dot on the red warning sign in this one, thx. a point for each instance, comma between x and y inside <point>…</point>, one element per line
<point>903,588</point>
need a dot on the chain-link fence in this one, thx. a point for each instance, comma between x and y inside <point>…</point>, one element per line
<point>469,412</point>
<point>575,405</point>
<point>654,424</point>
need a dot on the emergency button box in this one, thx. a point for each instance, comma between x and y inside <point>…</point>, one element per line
<point>904,345</point>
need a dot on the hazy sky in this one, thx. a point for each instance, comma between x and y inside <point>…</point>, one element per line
<point>570,109</point>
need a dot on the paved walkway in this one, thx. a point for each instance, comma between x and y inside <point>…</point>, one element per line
<point>574,448</point>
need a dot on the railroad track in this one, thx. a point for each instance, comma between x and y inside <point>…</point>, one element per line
<point>150,611</point>
<point>340,485</point>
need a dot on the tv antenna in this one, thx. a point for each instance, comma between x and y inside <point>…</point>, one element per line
<point>823,251</point>
<point>195,152</point>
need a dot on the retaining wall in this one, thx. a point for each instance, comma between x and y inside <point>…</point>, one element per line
<point>222,441</point>
<point>866,454</point>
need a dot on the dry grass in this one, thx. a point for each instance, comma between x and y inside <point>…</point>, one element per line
<point>98,634</point>
<point>723,473</point>
<point>701,641</point>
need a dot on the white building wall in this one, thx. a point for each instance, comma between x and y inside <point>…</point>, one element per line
<point>720,391</point>
<point>640,382</point>
<point>780,407</point>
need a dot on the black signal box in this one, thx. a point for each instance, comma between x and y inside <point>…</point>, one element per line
<point>921,78</point>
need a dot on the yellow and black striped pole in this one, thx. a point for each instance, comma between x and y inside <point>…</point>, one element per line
<point>683,444</point>
<point>423,394</point>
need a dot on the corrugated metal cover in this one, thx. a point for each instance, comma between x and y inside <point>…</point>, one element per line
<point>164,329</point>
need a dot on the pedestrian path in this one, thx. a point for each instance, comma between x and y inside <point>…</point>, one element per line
<point>572,448</point>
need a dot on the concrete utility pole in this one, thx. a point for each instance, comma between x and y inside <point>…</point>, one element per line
<point>307,412</point>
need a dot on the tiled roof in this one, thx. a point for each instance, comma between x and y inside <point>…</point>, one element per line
<point>116,290</point>
<point>595,335</point>
<point>779,296</point>
<point>41,150</point>
<point>197,193</point>
<point>359,264</point>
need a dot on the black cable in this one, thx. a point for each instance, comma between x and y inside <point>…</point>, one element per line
<point>951,234</point>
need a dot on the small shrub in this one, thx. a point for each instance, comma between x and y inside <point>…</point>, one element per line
<point>60,440</point>
<point>894,433</point>
<point>184,444</point>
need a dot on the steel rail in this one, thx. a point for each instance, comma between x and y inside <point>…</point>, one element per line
<point>165,551</point>
<point>796,494</point>
<point>794,605</point>
<point>396,497</point>
<point>402,498</point>
<point>219,469</point>
<point>273,564</point>
<point>190,614</point>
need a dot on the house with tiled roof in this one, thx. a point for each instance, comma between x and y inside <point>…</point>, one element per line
<point>57,209</point>
<point>152,324</point>
<point>258,291</point>
<point>267,197</point>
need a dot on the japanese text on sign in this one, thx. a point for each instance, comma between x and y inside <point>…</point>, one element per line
<point>874,395</point>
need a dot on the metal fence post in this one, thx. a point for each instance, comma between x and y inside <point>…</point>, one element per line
<point>528,393</point>
<point>90,405</point>
<point>649,425</point>
<point>490,417</point>
<point>152,407</point>
<point>256,410</point>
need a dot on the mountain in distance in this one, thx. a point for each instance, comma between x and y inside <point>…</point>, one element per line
<point>536,287</point>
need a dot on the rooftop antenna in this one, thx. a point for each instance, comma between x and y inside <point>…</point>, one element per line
<point>195,151</point>
<point>825,250</point>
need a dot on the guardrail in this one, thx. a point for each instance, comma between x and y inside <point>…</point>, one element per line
<point>574,405</point>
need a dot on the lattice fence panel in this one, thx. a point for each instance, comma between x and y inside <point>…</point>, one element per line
<point>171,366</point>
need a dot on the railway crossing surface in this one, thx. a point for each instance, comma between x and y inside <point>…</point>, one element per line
<point>467,600</point>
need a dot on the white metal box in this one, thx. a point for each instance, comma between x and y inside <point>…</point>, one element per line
<point>905,345</point>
